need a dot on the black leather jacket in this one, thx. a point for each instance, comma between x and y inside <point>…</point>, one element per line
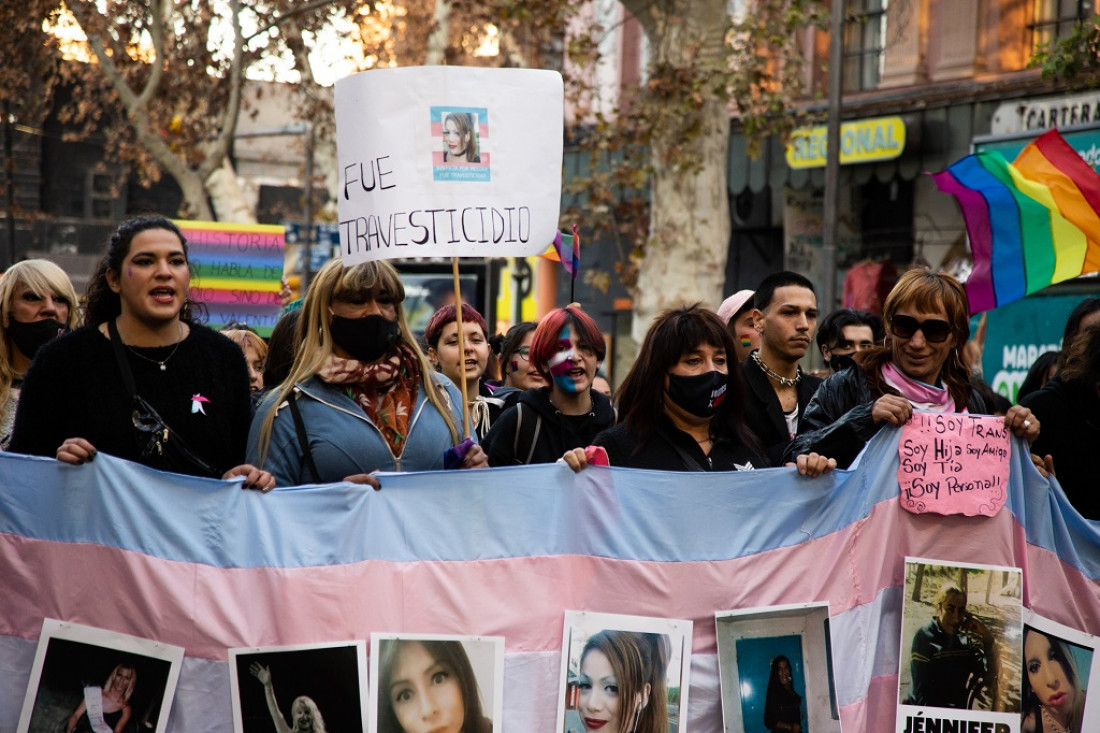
<point>838,423</point>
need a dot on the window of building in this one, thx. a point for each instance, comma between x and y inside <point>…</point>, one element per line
<point>1054,20</point>
<point>864,37</point>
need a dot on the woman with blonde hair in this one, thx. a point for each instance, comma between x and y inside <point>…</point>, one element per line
<point>360,396</point>
<point>37,304</point>
<point>109,704</point>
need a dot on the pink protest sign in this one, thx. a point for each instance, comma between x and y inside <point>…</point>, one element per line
<point>953,464</point>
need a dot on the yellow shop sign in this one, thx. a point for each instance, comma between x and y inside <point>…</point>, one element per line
<point>861,141</point>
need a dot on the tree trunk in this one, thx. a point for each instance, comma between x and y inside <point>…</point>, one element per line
<point>225,192</point>
<point>685,256</point>
<point>441,31</point>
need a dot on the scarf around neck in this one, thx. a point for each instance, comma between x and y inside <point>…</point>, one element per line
<point>385,390</point>
<point>922,396</point>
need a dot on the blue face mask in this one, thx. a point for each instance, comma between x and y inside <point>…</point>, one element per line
<point>699,395</point>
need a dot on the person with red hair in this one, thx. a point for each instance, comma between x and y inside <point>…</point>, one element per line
<point>567,414</point>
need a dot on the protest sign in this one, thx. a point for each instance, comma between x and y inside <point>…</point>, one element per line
<point>236,271</point>
<point>953,464</point>
<point>448,162</point>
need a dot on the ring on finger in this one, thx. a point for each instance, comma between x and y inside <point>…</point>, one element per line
<point>1027,424</point>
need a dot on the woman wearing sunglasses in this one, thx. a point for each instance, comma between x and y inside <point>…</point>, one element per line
<point>920,367</point>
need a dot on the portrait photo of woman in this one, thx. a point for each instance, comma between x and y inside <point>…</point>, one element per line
<point>460,138</point>
<point>1053,688</point>
<point>623,674</point>
<point>437,684</point>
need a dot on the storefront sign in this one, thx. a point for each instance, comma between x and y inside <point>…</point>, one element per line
<point>1041,114</point>
<point>861,141</point>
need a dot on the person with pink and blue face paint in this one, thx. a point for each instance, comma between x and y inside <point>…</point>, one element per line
<point>566,414</point>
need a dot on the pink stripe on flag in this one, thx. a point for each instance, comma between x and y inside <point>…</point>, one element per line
<point>519,598</point>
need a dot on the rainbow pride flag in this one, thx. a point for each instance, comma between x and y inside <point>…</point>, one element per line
<point>1032,223</point>
<point>570,259</point>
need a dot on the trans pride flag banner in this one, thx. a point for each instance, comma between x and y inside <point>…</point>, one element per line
<point>1031,223</point>
<point>204,565</point>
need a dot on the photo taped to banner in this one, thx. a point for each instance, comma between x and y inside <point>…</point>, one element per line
<point>624,673</point>
<point>960,646</point>
<point>91,680</point>
<point>424,683</point>
<point>775,671</point>
<point>304,687</point>
<point>1058,664</point>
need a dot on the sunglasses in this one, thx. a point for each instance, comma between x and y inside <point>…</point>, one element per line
<point>934,330</point>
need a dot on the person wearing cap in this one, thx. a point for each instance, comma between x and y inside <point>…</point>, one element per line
<point>736,313</point>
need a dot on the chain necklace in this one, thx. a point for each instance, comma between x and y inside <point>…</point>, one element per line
<point>162,363</point>
<point>784,381</point>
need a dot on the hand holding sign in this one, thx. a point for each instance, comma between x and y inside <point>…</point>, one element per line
<point>953,464</point>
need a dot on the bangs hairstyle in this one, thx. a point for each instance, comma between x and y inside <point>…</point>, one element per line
<point>674,333</point>
<point>447,652</point>
<point>114,674</point>
<point>1061,653</point>
<point>42,278</point>
<point>446,315</point>
<point>376,280</point>
<point>544,344</point>
<point>926,291</point>
<point>314,712</point>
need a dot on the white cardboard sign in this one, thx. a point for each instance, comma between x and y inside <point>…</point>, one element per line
<point>448,161</point>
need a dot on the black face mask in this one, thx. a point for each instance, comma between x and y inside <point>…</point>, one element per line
<point>699,395</point>
<point>366,339</point>
<point>840,362</point>
<point>30,337</point>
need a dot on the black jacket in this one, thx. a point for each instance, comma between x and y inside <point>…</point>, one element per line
<point>543,433</point>
<point>764,414</point>
<point>837,423</point>
<point>671,449</point>
<point>1069,422</point>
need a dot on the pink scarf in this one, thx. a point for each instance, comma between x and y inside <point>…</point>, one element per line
<point>922,396</point>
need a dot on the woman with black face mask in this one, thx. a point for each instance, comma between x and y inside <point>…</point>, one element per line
<point>37,304</point>
<point>681,408</point>
<point>360,395</point>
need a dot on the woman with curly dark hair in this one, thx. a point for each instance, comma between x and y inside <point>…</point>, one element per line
<point>142,380</point>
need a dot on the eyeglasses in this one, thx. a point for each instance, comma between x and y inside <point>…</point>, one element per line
<point>935,330</point>
<point>524,352</point>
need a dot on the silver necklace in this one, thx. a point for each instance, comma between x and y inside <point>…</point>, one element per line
<point>785,381</point>
<point>163,364</point>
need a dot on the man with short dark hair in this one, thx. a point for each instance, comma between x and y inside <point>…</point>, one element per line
<point>845,332</point>
<point>785,314</point>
